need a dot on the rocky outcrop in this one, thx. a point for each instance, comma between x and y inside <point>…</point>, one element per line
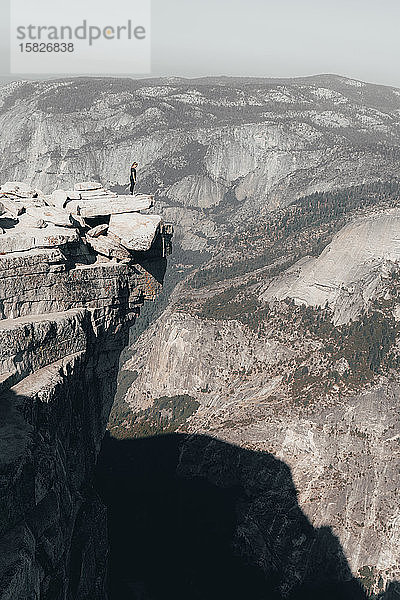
<point>66,304</point>
<point>351,270</point>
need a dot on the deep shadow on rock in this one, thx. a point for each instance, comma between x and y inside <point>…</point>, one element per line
<point>194,517</point>
<point>156,269</point>
<point>393,591</point>
<point>53,529</point>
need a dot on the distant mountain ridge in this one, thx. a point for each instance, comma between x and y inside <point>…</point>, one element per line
<point>214,150</point>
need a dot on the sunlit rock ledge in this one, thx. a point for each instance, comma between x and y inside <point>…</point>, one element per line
<point>30,219</point>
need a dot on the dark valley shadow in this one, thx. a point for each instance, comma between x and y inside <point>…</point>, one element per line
<point>392,592</point>
<point>191,517</point>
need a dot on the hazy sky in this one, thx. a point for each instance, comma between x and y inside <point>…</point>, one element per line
<point>271,38</point>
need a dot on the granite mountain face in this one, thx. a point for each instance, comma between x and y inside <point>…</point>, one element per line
<point>288,345</point>
<point>278,329</point>
<point>215,151</point>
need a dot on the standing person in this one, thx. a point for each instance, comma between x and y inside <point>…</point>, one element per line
<point>133,176</point>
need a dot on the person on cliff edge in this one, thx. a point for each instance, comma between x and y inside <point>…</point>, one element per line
<point>133,176</point>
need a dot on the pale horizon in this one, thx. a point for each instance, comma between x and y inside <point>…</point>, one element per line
<point>266,38</point>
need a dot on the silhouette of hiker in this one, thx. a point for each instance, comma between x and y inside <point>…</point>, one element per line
<point>133,176</point>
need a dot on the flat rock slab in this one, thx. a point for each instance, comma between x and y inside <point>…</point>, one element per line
<point>51,214</point>
<point>20,239</point>
<point>87,186</point>
<point>135,231</point>
<point>106,246</point>
<point>110,206</point>
<point>57,317</point>
<point>33,341</point>
<point>30,222</point>
<point>97,194</point>
<point>31,262</point>
<point>16,206</point>
<point>19,189</point>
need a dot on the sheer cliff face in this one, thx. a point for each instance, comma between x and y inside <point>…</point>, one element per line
<point>302,364</point>
<point>65,314</point>
<point>342,447</point>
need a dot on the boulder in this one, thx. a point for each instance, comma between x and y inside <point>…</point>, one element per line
<point>12,207</point>
<point>30,222</point>
<point>99,230</point>
<point>51,214</point>
<point>58,198</point>
<point>107,247</point>
<point>21,238</point>
<point>19,190</point>
<point>110,206</point>
<point>134,231</point>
